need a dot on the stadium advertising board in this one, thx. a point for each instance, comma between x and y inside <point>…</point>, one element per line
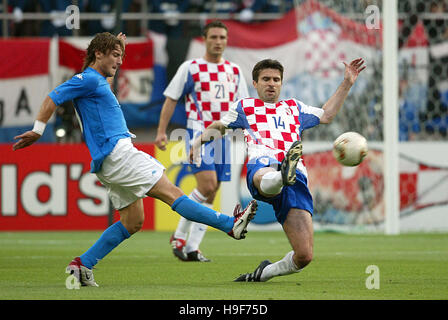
<point>50,187</point>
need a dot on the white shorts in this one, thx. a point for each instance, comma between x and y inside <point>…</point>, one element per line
<point>128,173</point>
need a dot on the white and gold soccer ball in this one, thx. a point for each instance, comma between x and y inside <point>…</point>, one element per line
<point>350,148</point>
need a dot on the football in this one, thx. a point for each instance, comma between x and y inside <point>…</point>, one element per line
<point>350,148</point>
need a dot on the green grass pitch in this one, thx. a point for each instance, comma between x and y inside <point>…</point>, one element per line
<point>411,266</point>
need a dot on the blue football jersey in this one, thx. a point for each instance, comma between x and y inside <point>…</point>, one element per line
<point>99,112</point>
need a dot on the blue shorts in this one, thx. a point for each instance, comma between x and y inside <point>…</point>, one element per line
<point>296,196</point>
<point>216,157</point>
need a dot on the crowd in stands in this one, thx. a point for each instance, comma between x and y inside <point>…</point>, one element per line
<point>171,26</point>
<point>179,32</point>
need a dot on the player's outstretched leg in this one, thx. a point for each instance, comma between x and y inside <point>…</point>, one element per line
<point>267,270</point>
<point>235,226</point>
<point>299,231</point>
<point>289,163</point>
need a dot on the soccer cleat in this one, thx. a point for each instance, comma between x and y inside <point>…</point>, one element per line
<point>254,276</point>
<point>289,163</point>
<point>197,256</point>
<point>178,246</point>
<point>83,274</point>
<point>242,219</point>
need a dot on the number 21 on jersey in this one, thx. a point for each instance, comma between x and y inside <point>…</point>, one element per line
<point>219,91</point>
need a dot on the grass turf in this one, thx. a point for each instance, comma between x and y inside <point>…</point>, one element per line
<point>411,266</point>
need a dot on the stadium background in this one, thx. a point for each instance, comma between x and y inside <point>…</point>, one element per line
<point>54,191</point>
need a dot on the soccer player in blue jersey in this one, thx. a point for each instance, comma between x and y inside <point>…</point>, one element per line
<point>276,173</point>
<point>127,173</point>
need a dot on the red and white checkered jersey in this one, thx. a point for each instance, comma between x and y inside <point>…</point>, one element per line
<point>271,128</point>
<point>209,89</point>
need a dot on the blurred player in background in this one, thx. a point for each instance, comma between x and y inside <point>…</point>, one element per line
<point>127,173</point>
<point>210,85</point>
<point>276,173</point>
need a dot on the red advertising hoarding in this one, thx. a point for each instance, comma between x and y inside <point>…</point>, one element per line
<point>50,187</point>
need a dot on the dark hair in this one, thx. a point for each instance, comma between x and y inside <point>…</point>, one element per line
<point>213,24</point>
<point>103,42</point>
<point>266,64</point>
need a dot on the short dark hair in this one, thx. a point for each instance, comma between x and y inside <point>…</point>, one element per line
<point>213,24</point>
<point>104,42</point>
<point>266,64</point>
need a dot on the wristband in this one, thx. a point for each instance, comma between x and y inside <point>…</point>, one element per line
<point>39,127</point>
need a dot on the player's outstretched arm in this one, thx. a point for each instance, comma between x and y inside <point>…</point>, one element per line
<point>334,104</point>
<point>28,138</point>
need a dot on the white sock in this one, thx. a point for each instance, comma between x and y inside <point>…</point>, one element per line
<point>197,233</point>
<point>184,225</point>
<point>183,228</point>
<point>280,268</point>
<point>271,183</point>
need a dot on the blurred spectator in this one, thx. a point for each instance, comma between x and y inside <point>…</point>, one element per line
<point>17,7</point>
<point>177,42</point>
<point>107,23</point>
<point>270,6</point>
<point>171,26</point>
<point>250,7</point>
<point>409,123</point>
<point>193,28</point>
<point>221,6</point>
<point>435,115</point>
<point>19,27</point>
<point>134,28</point>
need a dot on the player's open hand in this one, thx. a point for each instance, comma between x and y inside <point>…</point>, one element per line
<point>26,139</point>
<point>353,69</point>
<point>122,37</point>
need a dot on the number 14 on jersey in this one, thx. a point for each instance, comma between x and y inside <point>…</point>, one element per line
<point>279,123</point>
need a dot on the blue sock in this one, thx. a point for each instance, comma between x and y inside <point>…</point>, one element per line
<point>196,212</point>
<point>111,237</point>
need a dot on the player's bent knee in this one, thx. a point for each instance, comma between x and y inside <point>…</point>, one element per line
<point>136,227</point>
<point>165,191</point>
<point>209,192</point>
<point>303,259</point>
<point>208,189</point>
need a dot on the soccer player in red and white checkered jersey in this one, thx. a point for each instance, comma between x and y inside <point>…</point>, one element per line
<point>275,171</point>
<point>210,85</point>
